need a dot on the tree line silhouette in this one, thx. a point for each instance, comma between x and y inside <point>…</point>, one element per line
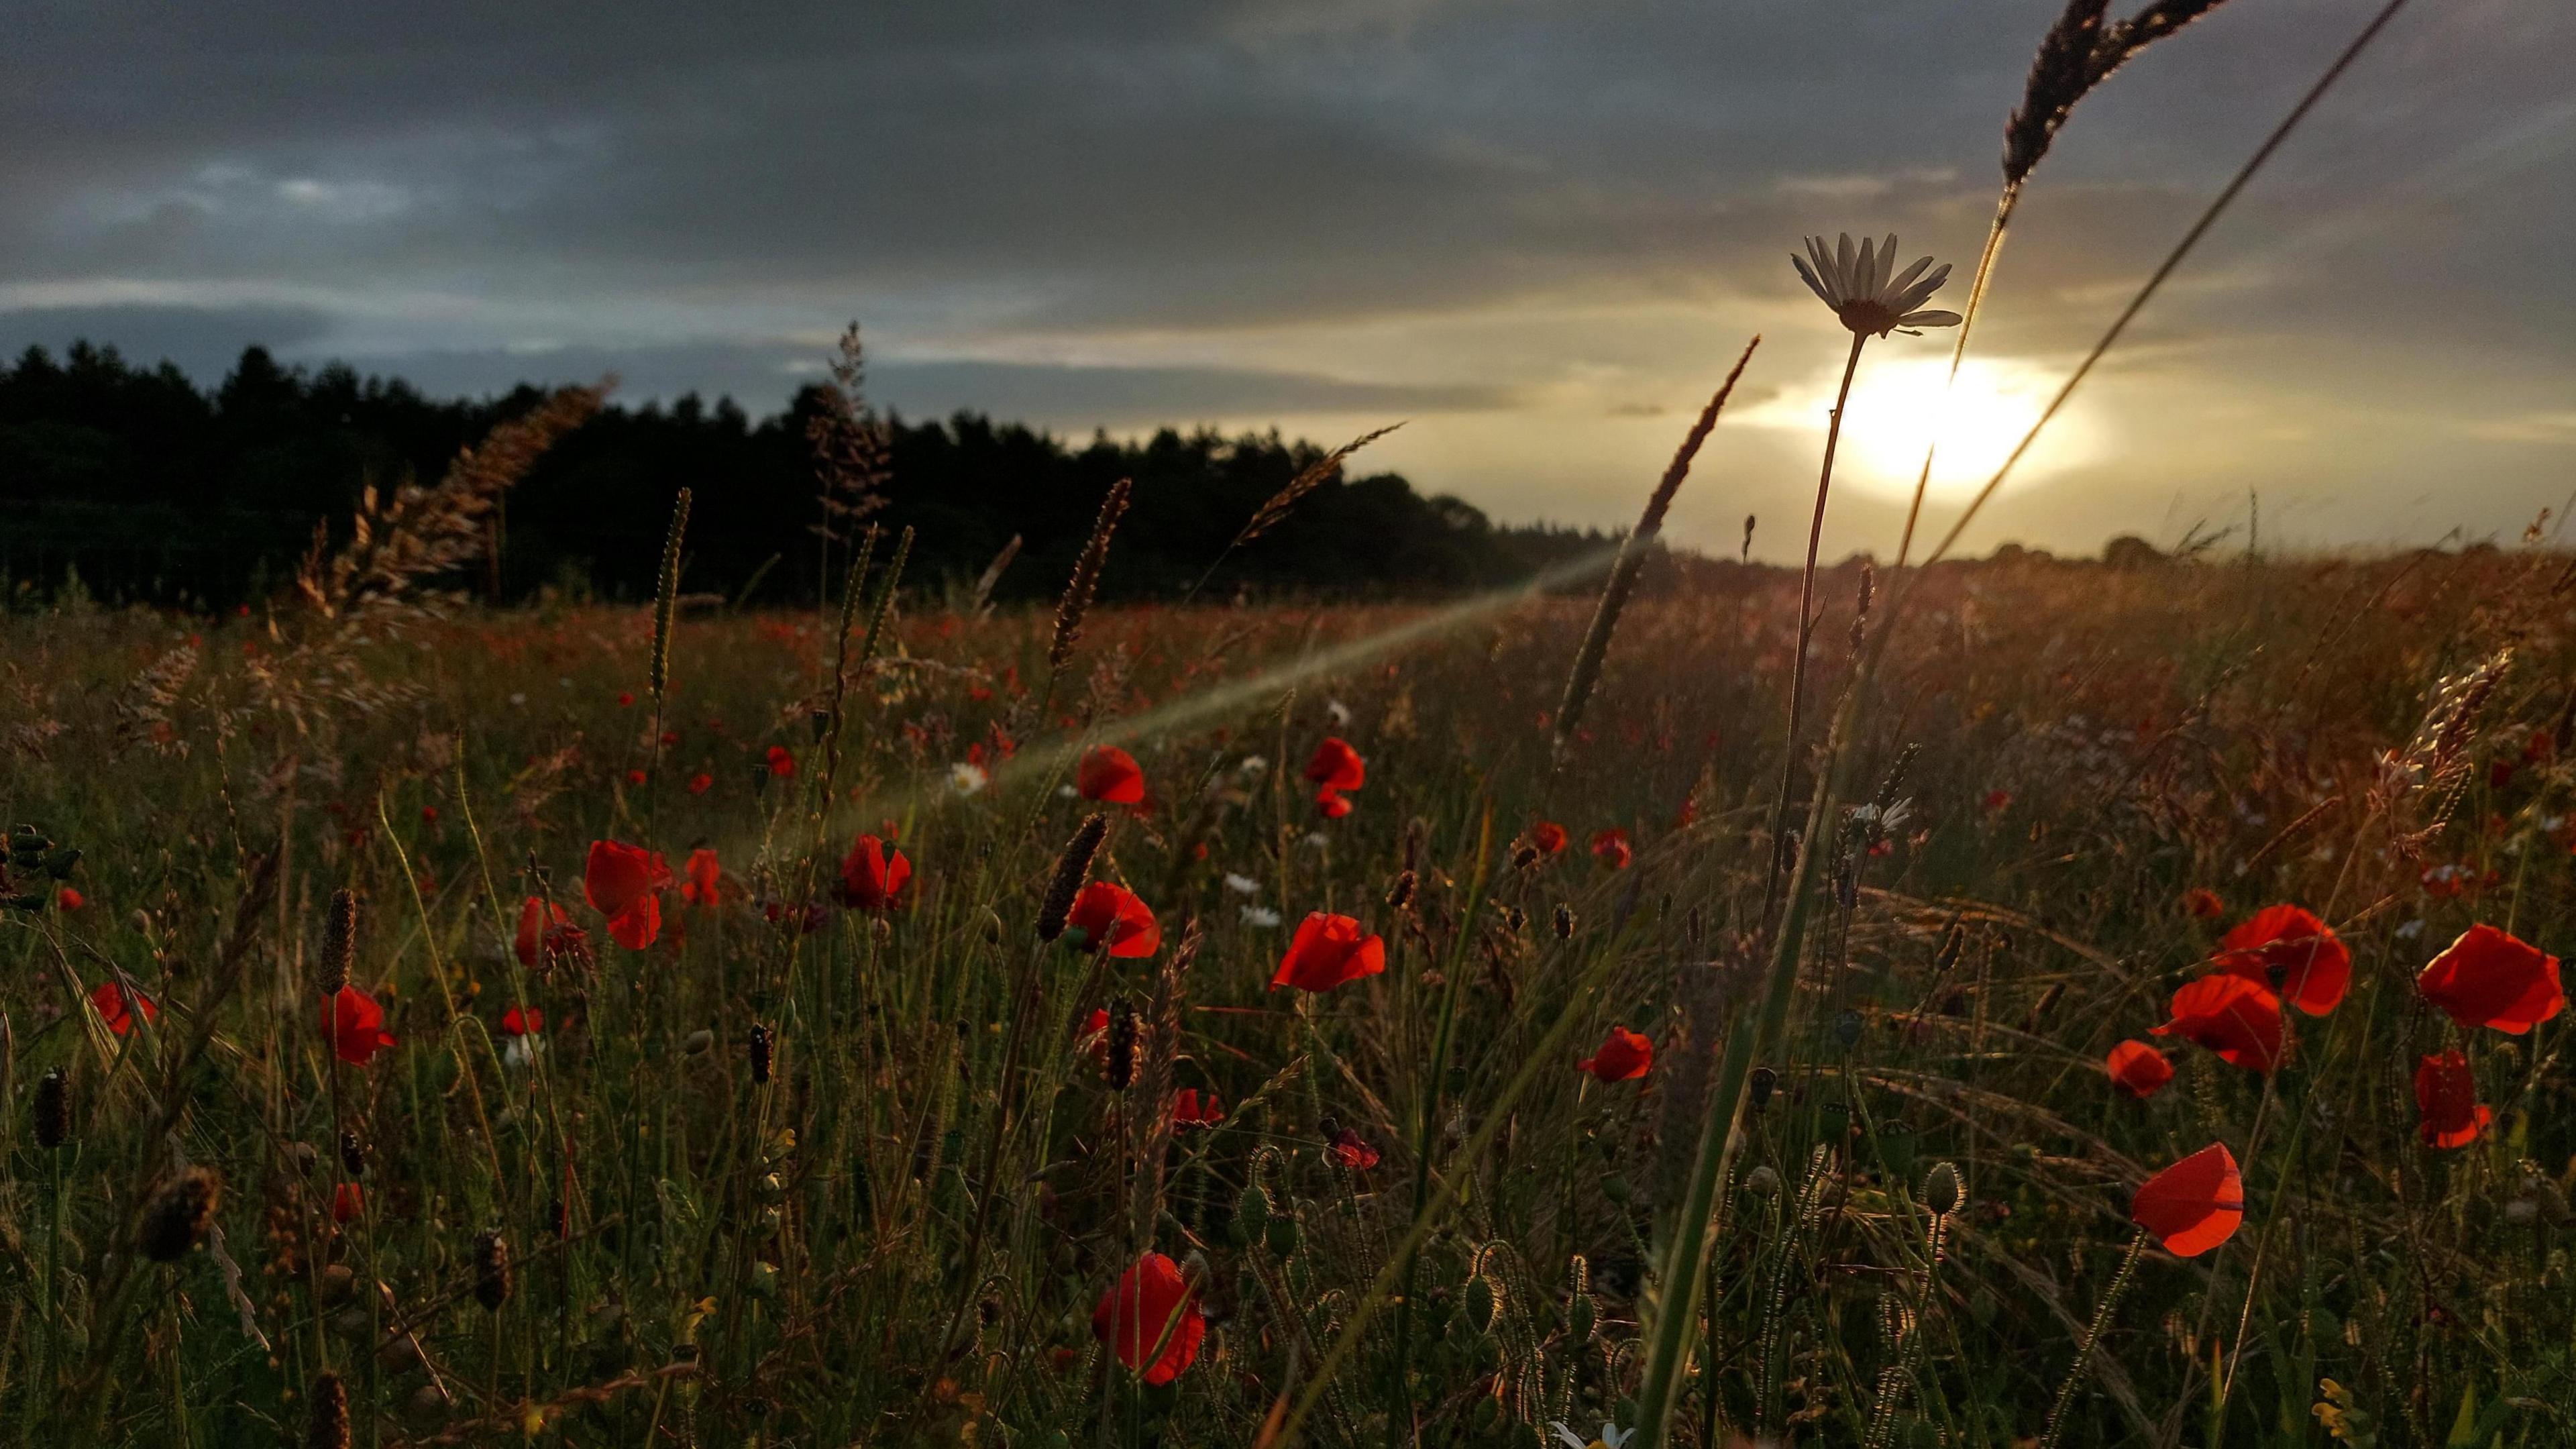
<point>151,489</point>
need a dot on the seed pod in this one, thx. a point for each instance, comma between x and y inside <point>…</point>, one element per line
<point>53,1110</point>
<point>1283,1236</point>
<point>329,1426</point>
<point>1071,869</point>
<point>339,941</point>
<point>1122,1046</point>
<point>177,1215</point>
<point>1564,922</point>
<point>1941,1190</point>
<point>763,1046</point>
<point>492,1270</point>
<point>1762,1182</point>
<point>1580,1317</point>
<point>1400,895</point>
<point>1760,1085</point>
<point>1525,857</point>
<point>353,1154</point>
<point>1514,918</point>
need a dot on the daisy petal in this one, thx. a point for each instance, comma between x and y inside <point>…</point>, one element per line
<point>1928,319</point>
<point>1809,277</point>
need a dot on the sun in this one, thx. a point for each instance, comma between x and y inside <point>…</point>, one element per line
<point>1899,406</point>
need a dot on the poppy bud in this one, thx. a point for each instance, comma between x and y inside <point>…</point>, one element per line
<point>1480,1303</point>
<point>1251,1215</point>
<point>1759,1086</point>
<point>1941,1192</point>
<point>1400,895</point>
<point>353,1154</point>
<point>1762,1182</point>
<point>53,1110</point>
<point>1847,1028</point>
<point>492,1270</point>
<point>1071,868</point>
<point>177,1215</point>
<point>329,1426</point>
<point>1283,1235</point>
<point>762,1048</point>
<point>1580,1317</point>
<point>339,941</point>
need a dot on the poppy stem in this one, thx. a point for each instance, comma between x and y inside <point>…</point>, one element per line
<point>2092,1338</point>
<point>1806,632</point>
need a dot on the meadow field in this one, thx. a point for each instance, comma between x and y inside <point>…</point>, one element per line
<point>712,1046</point>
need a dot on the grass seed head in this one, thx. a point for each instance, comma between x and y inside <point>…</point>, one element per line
<point>175,1219</point>
<point>328,1427</point>
<point>1072,868</point>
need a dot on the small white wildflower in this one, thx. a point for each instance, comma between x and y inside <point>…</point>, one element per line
<point>1253,765</point>
<point>1340,712</point>
<point>565,681</point>
<point>966,778</point>
<point>518,699</point>
<point>2410,930</point>
<point>1067,791</point>
<point>521,1051</point>
<point>1260,918</point>
<point>2549,823</point>
<point>1869,294</point>
<point>1242,885</point>
<point>2521,1210</point>
<point>1612,1436</point>
<point>1317,839</point>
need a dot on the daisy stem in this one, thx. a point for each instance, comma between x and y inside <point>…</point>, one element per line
<point>1806,629</point>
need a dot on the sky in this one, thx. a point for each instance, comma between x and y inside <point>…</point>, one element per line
<point>1537,233</point>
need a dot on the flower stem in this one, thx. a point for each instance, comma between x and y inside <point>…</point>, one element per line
<point>1806,629</point>
<point>2092,1339</point>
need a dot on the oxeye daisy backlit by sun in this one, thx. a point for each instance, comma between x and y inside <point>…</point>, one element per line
<point>1351,781</point>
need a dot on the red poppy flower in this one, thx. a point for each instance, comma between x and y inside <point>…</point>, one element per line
<point>782,762</point>
<point>1327,952</point>
<point>1997,800</point>
<point>355,1024</point>
<point>873,876</point>
<point>515,1022</point>
<point>705,885</point>
<point>1611,848</point>
<point>624,883</point>
<point>117,1004</point>
<point>2446,1092</point>
<point>70,899</point>
<point>2488,978</point>
<point>626,699</point>
<point>2194,1205</point>
<point>2234,1017</point>
<point>1110,775</point>
<point>1624,1055</point>
<point>2139,1069</point>
<point>1151,1306</point>
<point>1332,804</point>
<point>1352,1150</point>
<point>1187,1112</point>
<point>699,782</point>
<point>1547,837</point>
<point>2204,903</point>
<point>560,941</point>
<point>347,1201</point>
<point>2292,952</point>
<point>1336,766</point>
<point>1113,919</point>
<point>635,777</point>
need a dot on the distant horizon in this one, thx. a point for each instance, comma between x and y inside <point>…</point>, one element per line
<point>1541,236</point>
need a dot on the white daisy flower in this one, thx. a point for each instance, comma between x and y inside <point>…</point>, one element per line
<point>1067,791</point>
<point>521,1051</point>
<point>1242,885</point>
<point>1340,712</point>
<point>1612,1436</point>
<point>1253,765</point>
<point>1260,918</point>
<point>966,778</point>
<point>1865,289</point>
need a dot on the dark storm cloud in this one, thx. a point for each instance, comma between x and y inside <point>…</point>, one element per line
<point>474,192</point>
